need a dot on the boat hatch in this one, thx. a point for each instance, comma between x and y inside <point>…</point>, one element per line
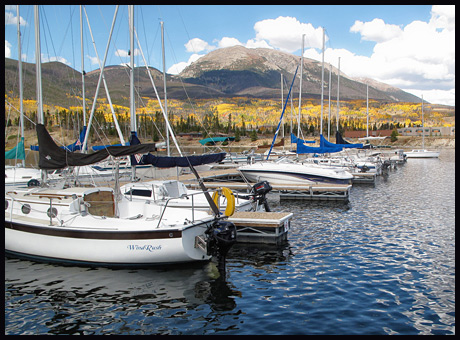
<point>101,203</point>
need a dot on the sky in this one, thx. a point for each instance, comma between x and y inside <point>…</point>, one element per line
<point>411,47</point>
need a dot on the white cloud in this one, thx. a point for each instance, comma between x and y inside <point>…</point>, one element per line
<point>228,42</point>
<point>285,33</point>
<point>46,59</point>
<point>443,16</point>
<point>92,60</point>
<point>376,30</point>
<point>125,54</point>
<point>417,57</point>
<point>11,19</point>
<point>256,43</point>
<point>7,49</point>
<point>179,67</point>
<point>196,45</point>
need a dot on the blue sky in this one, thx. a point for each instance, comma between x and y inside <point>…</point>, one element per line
<point>411,47</point>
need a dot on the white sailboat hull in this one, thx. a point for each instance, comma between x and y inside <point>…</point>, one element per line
<point>143,234</point>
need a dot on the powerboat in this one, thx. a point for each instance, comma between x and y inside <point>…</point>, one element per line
<point>422,153</point>
<point>174,193</point>
<point>18,176</point>
<point>287,171</point>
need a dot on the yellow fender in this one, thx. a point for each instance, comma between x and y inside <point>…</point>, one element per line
<point>230,209</point>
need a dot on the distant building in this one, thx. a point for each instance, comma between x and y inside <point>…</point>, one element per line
<point>427,131</point>
<point>372,133</point>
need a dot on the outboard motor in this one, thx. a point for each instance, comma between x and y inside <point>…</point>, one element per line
<point>386,165</point>
<point>221,237</point>
<point>259,192</point>
<point>364,168</point>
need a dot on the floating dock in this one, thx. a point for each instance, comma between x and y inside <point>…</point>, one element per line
<point>261,227</point>
<point>364,177</point>
<point>233,180</point>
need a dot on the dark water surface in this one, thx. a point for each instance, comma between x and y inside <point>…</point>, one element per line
<point>384,263</point>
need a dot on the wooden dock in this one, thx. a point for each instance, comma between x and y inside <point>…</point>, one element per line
<point>261,227</point>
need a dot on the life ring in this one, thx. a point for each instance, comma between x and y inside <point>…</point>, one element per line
<point>230,209</point>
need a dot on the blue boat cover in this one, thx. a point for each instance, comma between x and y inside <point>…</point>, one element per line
<point>214,140</point>
<point>18,152</point>
<point>294,139</point>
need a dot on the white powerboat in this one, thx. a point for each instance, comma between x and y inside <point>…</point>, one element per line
<point>21,176</point>
<point>175,194</point>
<point>286,171</point>
<point>422,153</point>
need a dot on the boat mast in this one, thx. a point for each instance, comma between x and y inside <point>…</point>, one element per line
<point>367,110</point>
<point>82,68</point>
<point>38,67</point>
<point>101,78</point>
<point>300,85</point>
<point>132,108</point>
<point>131,73</point>
<point>338,96</point>
<point>282,131</point>
<point>38,71</point>
<point>164,84</point>
<point>423,128</point>
<point>329,120</point>
<point>21,108</point>
<point>322,87</point>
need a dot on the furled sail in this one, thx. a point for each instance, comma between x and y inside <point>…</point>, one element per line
<point>71,147</point>
<point>53,157</point>
<point>340,141</point>
<point>168,161</point>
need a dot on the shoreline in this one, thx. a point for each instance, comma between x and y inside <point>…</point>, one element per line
<point>403,142</point>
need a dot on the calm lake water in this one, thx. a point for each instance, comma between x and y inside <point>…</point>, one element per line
<point>383,263</point>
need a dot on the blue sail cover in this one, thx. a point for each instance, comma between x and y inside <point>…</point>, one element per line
<point>100,147</point>
<point>169,162</point>
<point>71,147</point>
<point>324,147</point>
<point>294,139</point>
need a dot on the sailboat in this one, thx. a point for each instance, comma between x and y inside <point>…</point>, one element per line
<point>19,174</point>
<point>422,153</point>
<point>288,171</point>
<point>99,226</point>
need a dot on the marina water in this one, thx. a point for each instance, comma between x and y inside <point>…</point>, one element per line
<point>383,263</point>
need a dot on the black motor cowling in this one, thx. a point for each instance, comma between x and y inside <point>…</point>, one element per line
<point>221,237</point>
<point>260,190</point>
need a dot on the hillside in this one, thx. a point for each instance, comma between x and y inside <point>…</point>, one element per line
<point>256,72</point>
<point>228,72</point>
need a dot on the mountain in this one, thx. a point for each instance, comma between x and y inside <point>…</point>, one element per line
<point>226,72</point>
<point>256,72</point>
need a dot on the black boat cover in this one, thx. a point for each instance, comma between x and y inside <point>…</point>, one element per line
<point>169,162</point>
<point>52,157</point>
